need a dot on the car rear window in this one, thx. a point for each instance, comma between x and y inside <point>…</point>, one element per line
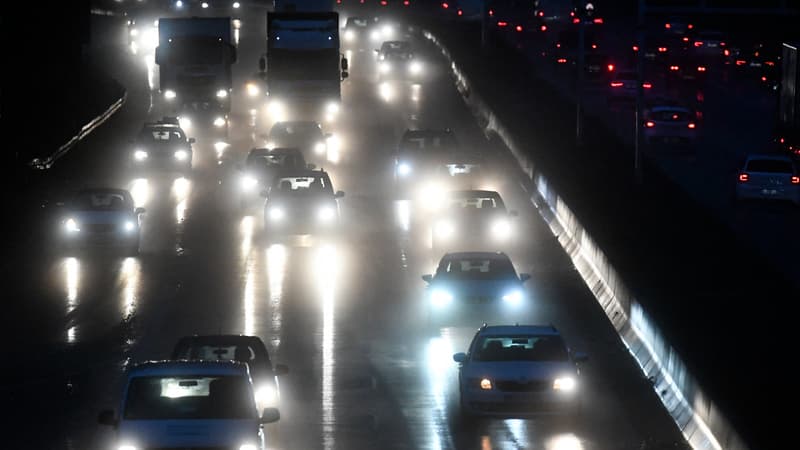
<point>520,348</point>
<point>189,397</point>
<point>769,166</point>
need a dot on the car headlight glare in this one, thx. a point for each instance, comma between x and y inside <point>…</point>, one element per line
<point>441,298</point>
<point>222,93</point>
<point>349,35</point>
<point>179,4</point>
<point>219,122</point>
<point>127,447</point>
<point>501,229</point>
<point>169,94</point>
<point>71,225</point>
<point>375,35</point>
<point>486,384</point>
<point>129,226</point>
<point>513,298</point>
<point>266,396</point>
<point>236,5</point>
<point>252,89</point>
<point>444,229</point>
<point>388,30</point>
<point>385,67</point>
<point>134,32</point>
<point>332,108</point>
<point>248,183</point>
<point>140,155</point>
<point>415,67</point>
<point>326,214</point>
<point>204,5</point>
<point>270,145</point>
<point>181,155</point>
<point>276,214</point>
<point>566,384</point>
<point>185,123</point>
<point>319,148</point>
<point>404,169</point>
<point>248,447</point>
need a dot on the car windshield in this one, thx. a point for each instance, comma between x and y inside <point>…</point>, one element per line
<point>295,130</point>
<point>287,160</point>
<point>476,268</point>
<point>161,136</point>
<point>769,166</point>
<point>520,348</point>
<point>256,358</point>
<point>357,22</point>
<point>101,201</point>
<point>189,397</point>
<point>303,185</point>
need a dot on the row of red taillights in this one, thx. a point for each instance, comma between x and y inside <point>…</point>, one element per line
<point>651,124</point>
<point>382,2</point>
<point>616,84</point>
<point>744,177</point>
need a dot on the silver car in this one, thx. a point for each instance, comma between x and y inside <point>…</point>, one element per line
<point>769,177</point>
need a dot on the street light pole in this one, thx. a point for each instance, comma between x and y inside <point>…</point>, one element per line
<point>638,144</point>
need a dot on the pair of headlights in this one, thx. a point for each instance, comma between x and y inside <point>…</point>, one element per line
<point>442,298</point>
<point>170,94</point>
<point>561,384</point>
<point>325,214</point>
<point>500,229</point>
<point>180,155</point>
<point>72,226</point>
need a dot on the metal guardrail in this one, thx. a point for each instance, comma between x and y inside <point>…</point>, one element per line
<point>702,423</point>
<point>47,162</point>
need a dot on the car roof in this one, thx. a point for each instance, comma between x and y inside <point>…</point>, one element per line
<point>262,151</point>
<point>161,125</point>
<point>505,330</point>
<point>473,193</point>
<point>769,157</point>
<point>184,367</point>
<point>475,255</point>
<point>302,173</point>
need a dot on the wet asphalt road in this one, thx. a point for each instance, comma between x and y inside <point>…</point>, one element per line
<point>344,314</point>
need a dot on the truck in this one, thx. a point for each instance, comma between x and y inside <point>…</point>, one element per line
<point>303,67</point>
<point>788,123</point>
<point>194,57</point>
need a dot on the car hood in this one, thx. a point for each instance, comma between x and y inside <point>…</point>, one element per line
<point>518,370</point>
<point>101,217</point>
<point>489,288</point>
<point>188,433</point>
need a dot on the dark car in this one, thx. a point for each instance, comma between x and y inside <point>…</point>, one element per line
<point>474,219</point>
<point>101,217</point>
<point>417,155</point>
<point>262,165</point>
<point>162,145</point>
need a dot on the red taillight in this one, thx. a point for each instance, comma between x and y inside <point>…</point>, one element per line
<point>635,48</point>
<point>598,20</point>
<point>562,60</point>
<point>445,5</point>
<point>406,3</point>
<point>541,13</point>
<point>769,63</point>
<point>610,67</point>
<point>726,52</point>
<point>690,26</point>
<point>647,85</point>
<point>491,12</point>
<point>662,49</point>
<point>795,179</point>
<point>698,44</point>
<point>518,28</point>
<point>616,84</point>
<point>674,117</point>
<point>572,13</point>
<point>649,124</point>
<point>685,39</point>
<point>594,46</point>
<point>576,20</point>
<point>543,28</point>
<point>763,78</point>
<point>558,44</point>
<point>740,62</point>
<point>701,68</point>
<point>796,151</point>
<point>502,24</point>
<point>722,44</point>
<point>674,68</point>
<point>667,26</point>
<point>744,177</point>
<point>460,12</point>
<point>383,2</point>
<point>338,1</point>
<point>691,125</point>
<point>782,140</point>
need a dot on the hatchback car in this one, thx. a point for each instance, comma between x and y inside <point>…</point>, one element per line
<point>162,145</point>
<point>670,124</point>
<point>518,371</point>
<point>102,217</point>
<point>774,177</point>
<point>302,202</point>
<point>302,134</point>
<point>261,166</point>
<point>473,219</point>
<point>417,154</point>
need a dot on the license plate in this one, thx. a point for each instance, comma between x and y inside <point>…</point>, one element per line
<point>769,191</point>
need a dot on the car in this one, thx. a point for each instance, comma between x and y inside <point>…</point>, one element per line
<point>246,349</point>
<point>262,165</point>
<point>670,123</point>
<point>189,404</point>
<point>623,85</point>
<point>768,176</point>
<point>102,217</point>
<point>599,67</point>
<point>303,134</point>
<point>564,50</point>
<point>214,6</point>
<point>519,371</point>
<point>473,219</point>
<point>301,202</point>
<point>357,28</point>
<point>685,68</point>
<point>162,145</point>
<point>417,153</point>
<point>396,61</point>
<point>467,170</point>
<point>471,287</point>
<point>678,26</point>
<point>710,43</point>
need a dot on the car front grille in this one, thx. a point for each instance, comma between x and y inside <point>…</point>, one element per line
<point>101,227</point>
<point>527,386</point>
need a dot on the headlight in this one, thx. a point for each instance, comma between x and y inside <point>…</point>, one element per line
<point>332,108</point>
<point>513,298</point>
<point>501,229</point>
<point>179,4</point>
<point>71,225</point>
<point>127,447</point>
<point>140,155</point>
<point>266,395</point>
<point>415,67</point>
<point>129,226</point>
<point>441,298</point>
<point>134,32</point>
<point>169,94</point>
<point>219,122</point>
<point>444,229</point>
<point>486,384</point>
<point>276,109</point>
<point>404,169</point>
<point>181,155</point>
<point>150,38</point>
<point>236,5</point>
<point>204,5</point>
<point>185,123</point>
<point>566,384</point>
<point>270,145</point>
<point>248,183</point>
<point>385,67</point>
<point>319,148</point>
<point>326,214</point>
<point>252,89</point>
<point>222,93</point>
<point>349,35</point>
<point>248,447</point>
<point>388,30</point>
<point>276,214</point>
<point>375,35</point>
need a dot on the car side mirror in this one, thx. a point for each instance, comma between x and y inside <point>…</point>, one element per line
<point>262,64</point>
<point>345,64</point>
<point>139,210</point>
<point>345,74</point>
<point>523,277</point>
<point>580,357</point>
<point>264,193</point>
<point>427,278</point>
<point>107,417</point>
<point>339,194</point>
<point>460,357</point>
<point>192,140</point>
<point>270,415</point>
<point>513,213</point>
<point>160,55</point>
<point>281,369</point>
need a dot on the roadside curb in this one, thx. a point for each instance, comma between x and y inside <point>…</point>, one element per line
<point>698,417</point>
<point>46,163</point>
